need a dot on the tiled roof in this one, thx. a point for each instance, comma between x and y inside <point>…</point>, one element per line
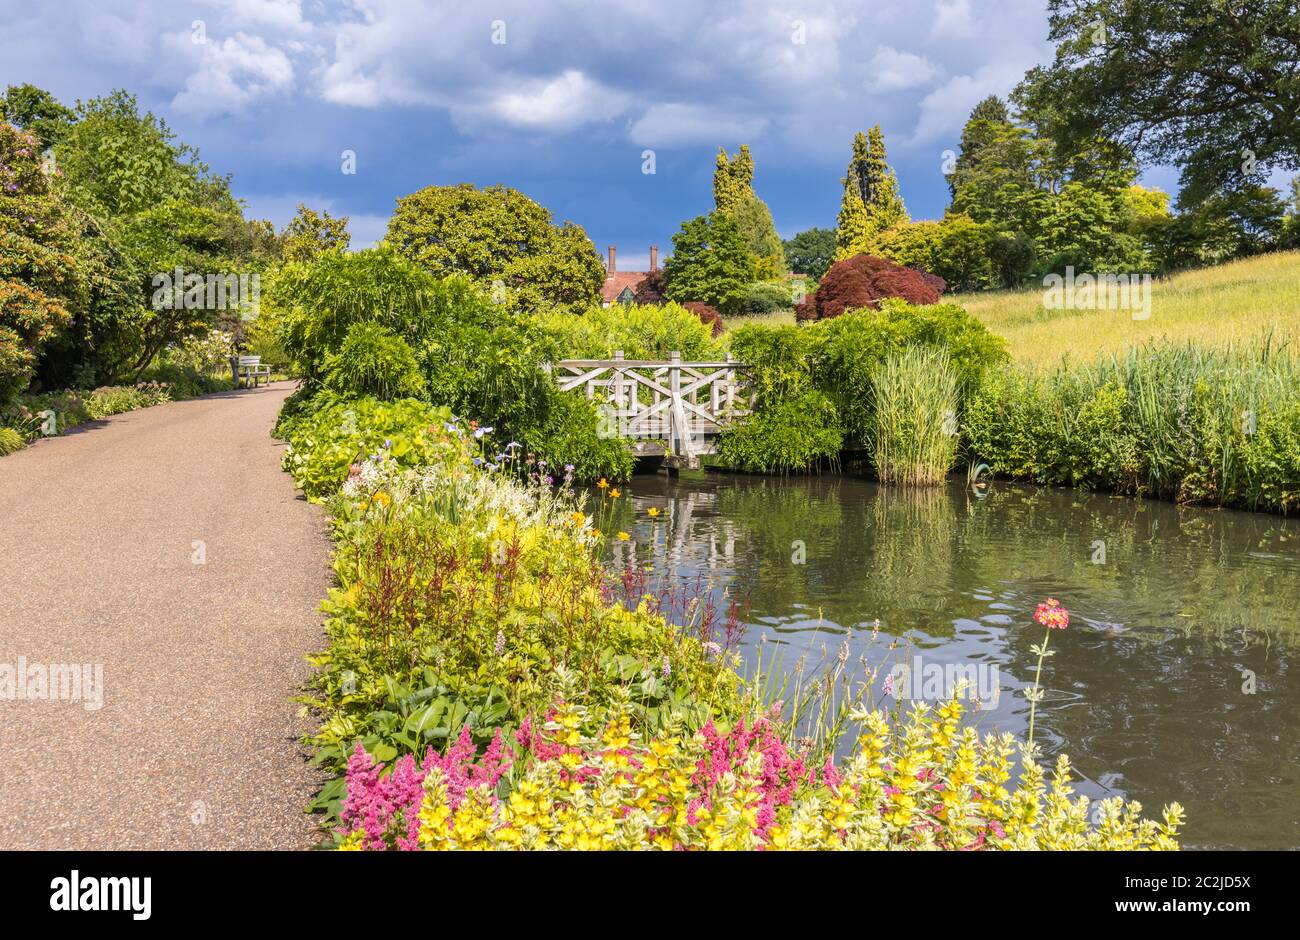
<point>614,284</point>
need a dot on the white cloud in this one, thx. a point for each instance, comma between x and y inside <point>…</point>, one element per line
<point>943,112</point>
<point>670,125</point>
<point>231,73</point>
<point>891,70</point>
<point>282,14</point>
<point>952,18</point>
<point>558,104</point>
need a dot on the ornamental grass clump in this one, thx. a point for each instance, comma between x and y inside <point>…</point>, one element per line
<point>915,400</point>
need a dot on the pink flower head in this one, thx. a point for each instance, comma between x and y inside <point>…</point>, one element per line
<point>1052,615</point>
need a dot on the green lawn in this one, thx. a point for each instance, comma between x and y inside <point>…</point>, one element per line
<point>1235,303</point>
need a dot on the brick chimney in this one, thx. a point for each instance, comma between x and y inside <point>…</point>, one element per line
<point>654,257</point>
<point>612,252</point>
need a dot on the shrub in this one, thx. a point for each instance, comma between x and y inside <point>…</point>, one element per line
<point>707,315</point>
<point>650,289</point>
<point>373,361</point>
<point>864,281</point>
<point>186,382</point>
<point>933,280</point>
<point>806,309</point>
<point>792,435</point>
<point>113,400</point>
<point>202,354</point>
<point>1176,422</point>
<point>325,444</point>
<point>10,442</point>
<point>315,305</point>
<point>764,297</point>
<point>642,332</point>
<point>852,346</point>
<point>914,417</point>
<point>569,441</point>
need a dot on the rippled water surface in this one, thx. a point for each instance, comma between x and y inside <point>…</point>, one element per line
<point>1173,680</point>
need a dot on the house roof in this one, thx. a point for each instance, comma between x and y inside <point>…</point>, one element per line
<point>616,282</point>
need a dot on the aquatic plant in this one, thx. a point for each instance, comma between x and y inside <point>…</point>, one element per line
<point>914,417</point>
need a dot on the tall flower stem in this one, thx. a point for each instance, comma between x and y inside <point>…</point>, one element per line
<point>1038,689</point>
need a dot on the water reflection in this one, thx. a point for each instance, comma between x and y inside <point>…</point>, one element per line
<point>1173,681</point>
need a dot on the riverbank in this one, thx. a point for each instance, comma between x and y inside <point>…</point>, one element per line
<point>479,648</point>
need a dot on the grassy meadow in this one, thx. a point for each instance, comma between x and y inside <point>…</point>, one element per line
<point>1233,304</point>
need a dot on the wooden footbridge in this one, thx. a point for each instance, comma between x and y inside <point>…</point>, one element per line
<point>671,408</point>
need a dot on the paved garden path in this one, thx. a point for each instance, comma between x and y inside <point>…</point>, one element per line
<point>101,532</point>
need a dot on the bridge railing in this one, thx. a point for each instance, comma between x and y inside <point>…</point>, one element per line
<point>686,404</point>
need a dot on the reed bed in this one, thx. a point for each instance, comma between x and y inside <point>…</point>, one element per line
<point>915,396</point>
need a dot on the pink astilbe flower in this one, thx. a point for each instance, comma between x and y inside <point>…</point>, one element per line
<point>728,753</point>
<point>386,808</point>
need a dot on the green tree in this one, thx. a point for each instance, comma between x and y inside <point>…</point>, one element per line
<point>811,252</point>
<point>115,161</point>
<point>39,275</point>
<point>734,196</point>
<point>37,112</point>
<point>986,121</point>
<point>883,201</point>
<point>310,234</point>
<point>709,263</point>
<point>504,241</point>
<point>871,202</point>
<point>1207,85</point>
<point>733,179</point>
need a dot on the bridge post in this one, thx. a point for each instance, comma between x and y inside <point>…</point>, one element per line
<point>619,403</point>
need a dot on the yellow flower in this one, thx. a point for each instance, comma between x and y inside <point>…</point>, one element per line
<point>381,498</point>
<point>603,483</point>
<point>615,493</point>
<point>623,536</point>
<point>578,518</point>
<point>653,512</point>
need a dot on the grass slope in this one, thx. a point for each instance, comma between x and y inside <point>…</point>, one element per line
<point>1232,304</point>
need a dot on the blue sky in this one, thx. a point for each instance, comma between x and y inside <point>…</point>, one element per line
<point>559,99</point>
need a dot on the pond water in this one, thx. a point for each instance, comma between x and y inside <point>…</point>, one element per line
<point>1173,681</point>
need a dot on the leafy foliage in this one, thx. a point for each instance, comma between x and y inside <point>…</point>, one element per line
<point>324,444</point>
<point>1175,422</point>
<point>503,241</point>
<point>791,435</point>
<point>1133,85</point>
<point>373,361</point>
<point>710,263</point>
<point>871,201</point>
<point>39,275</point>
<point>640,331</point>
<point>864,281</point>
<point>811,252</point>
<point>764,297</point>
<point>311,234</point>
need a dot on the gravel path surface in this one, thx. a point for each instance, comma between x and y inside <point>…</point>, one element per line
<point>101,535</point>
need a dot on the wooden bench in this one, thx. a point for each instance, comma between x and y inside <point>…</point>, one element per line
<point>244,368</point>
